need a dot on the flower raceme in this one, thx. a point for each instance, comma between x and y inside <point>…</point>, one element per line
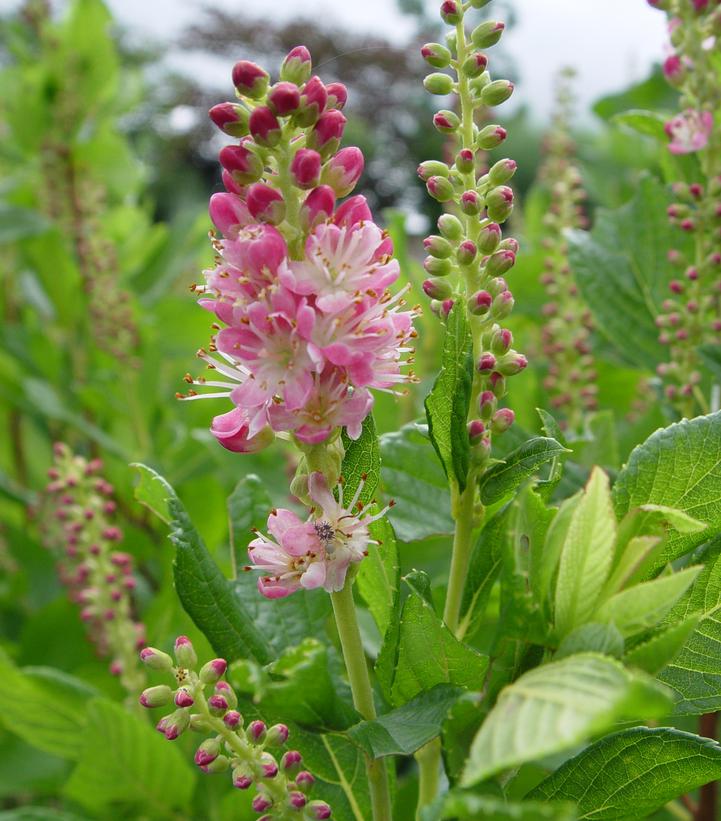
<point>307,324</point>
<point>317,552</point>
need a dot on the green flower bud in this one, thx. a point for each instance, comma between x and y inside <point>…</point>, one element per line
<point>491,136</point>
<point>501,172</point>
<point>474,65</point>
<point>432,168</point>
<point>497,92</point>
<point>450,227</point>
<point>217,765</point>
<point>436,55</point>
<point>479,4</point>
<point>437,267</point>
<point>438,83</point>
<point>438,246</point>
<point>499,202</point>
<point>489,238</point>
<point>478,83</point>
<point>156,696</point>
<point>156,659</point>
<point>487,34</point>
<point>185,653</point>
<point>447,122</point>
<point>440,189</point>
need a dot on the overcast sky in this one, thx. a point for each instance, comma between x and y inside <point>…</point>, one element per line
<point>609,42</point>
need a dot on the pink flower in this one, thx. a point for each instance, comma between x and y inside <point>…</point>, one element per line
<point>689,131</point>
<point>315,553</point>
<point>231,431</point>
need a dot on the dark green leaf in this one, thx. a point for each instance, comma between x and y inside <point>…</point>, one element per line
<point>18,223</point>
<point>378,577</point>
<point>248,507</point>
<point>362,459</point>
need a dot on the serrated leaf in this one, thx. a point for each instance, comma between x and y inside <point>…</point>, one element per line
<point>248,507</point>
<point>406,729</point>
<point>556,706</point>
<point>633,773</point>
<point>124,760</point>
<point>362,458</point>
<point>466,806</point>
<point>678,467</point>
<point>544,571</point>
<point>502,480</point>
<point>586,555</point>
<point>152,492</point>
<point>653,654</point>
<point>378,577</point>
<point>448,402</point>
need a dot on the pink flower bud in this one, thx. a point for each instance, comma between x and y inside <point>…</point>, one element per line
<point>487,405</point>
<point>467,252</point>
<point>230,118</point>
<point>476,429</point>
<point>174,724</point>
<point>212,671</point>
<point>486,364</point>
<point>503,305</point>
<point>208,751</point>
<point>233,719</point>
<point>502,171</point>
<point>284,98</point>
<point>185,652</point>
<point>509,244</point>
<point>305,168</point>
<point>489,238</point>
<point>465,161</point>
<point>318,206</point>
<point>291,761</point>
<point>304,781</point>
<point>471,203</point>
<point>264,127</point>
<point>491,136</point>
<point>183,698</point>
<point>673,69</point>
<point>262,802</point>
<point>436,55</point>
<point>318,810</point>
<point>265,204</point>
<point>450,12</point>
<point>337,95</point>
<point>499,202</point>
<point>242,776</point>
<point>256,731</point>
<point>511,363</point>
<point>228,213</point>
<point>502,420</point>
<point>353,211</point>
<point>268,765</point>
<point>326,135</point>
<point>437,288</point>
<point>313,101</point>
<point>297,800</point>
<point>156,696</point>
<point>218,704</point>
<point>447,122</point>
<point>243,165</point>
<point>277,735</point>
<point>250,79</point>
<point>440,189</point>
<point>438,246</point>
<point>297,66</point>
<point>230,184</point>
<point>480,303</point>
<point>343,171</point>
<point>500,262</point>
<point>231,431</point>
<point>501,341</point>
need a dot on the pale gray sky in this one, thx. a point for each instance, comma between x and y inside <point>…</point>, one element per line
<point>609,42</point>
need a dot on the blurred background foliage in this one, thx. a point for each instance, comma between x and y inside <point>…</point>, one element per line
<point>103,227</point>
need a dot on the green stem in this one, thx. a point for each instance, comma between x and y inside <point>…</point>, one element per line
<point>462,541</point>
<point>355,662</point>
<point>428,759</point>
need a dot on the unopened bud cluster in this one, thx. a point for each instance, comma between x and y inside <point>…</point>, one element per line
<point>205,703</point>
<point>566,332</point>
<point>691,315</point>
<point>79,527</point>
<point>469,259</point>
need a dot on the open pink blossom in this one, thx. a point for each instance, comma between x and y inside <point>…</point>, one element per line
<point>689,131</point>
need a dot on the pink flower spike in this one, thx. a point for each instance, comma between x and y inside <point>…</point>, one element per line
<point>231,431</point>
<point>229,213</point>
<point>305,168</point>
<point>265,204</point>
<point>689,131</point>
<point>343,171</point>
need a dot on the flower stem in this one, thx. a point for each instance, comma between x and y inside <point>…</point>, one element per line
<point>429,759</point>
<point>462,540</point>
<point>355,662</point>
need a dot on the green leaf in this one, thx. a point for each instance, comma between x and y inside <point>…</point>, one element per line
<point>502,480</point>
<point>653,94</point>
<point>18,223</point>
<point>655,653</point>
<point>586,555</point>
<point>711,358</point>
<point>39,814</point>
<point>591,637</point>
<point>644,605</point>
<point>248,507</point>
<point>633,773</point>
<point>544,571</point>
<point>408,728</point>
<point>362,459</point>
<point>556,706</point>
<point>152,491</point>
<point>677,467</point>
<point>428,653</point>
<point>466,806</point>
<point>623,271</point>
<point>413,477</point>
<point>448,402</point>
<point>378,577</point>
<point>649,123</point>
<point>124,760</point>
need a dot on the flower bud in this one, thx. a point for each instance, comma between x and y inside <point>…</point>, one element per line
<point>477,84</point>
<point>207,752</point>
<point>437,246</point>
<point>437,267</point>
<point>487,405</point>
<point>498,384</point>
<point>499,202</point>
<point>174,724</point>
<point>487,34</point>
<point>511,363</point>
<point>480,303</point>
<point>156,659</point>
<point>218,705</point>
<point>264,127</point>
<point>337,95</point>
<point>185,653</point>
<point>304,781</point>
<point>233,720</point>
<point>432,168</point>
<point>318,207</point>
<point>440,189</point>
<point>217,765</point>
<point>471,203</point>
<point>327,132</point>
<point>313,101</point>
<point>290,763</point>
<point>491,136</point>
<point>156,696</point>
<point>183,698</point>
<point>501,340</point>
<point>489,238</point>
<point>451,12</point>
<point>438,83</point>
<point>318,810</point>
<point>500,262</point>
<point>476,429</point>
<point>244,166</point>
<point>450,227</point>
<point>230,118</point>
<point>212,671</point>
<point>497,92</point>
<point>265,204</point>
<point>479,4</point>
<point>503,305</point>
<point>297,800</point>
<point>437,288</point>
<point>284,98</point>
<point>447,122</point>
<point>305,168</point>
<point>486,364</point>
<point>436,55</point>
<point>250,79</point>
<point>502,420</point>
<point>228,213</point>
<point>277,735</point>
<point>242,776</point>
<point>465,161</point>
<point>502,171</point>
<point>474,65</point>
<point>509,244</point>
<point>224,689</point>
<point>296,66</point>
<point>268,765</point>
<point>198,723</point>
<point>256,732</point>
<point>467,252</point>
<point>261,802</point>
<point>343,171</point>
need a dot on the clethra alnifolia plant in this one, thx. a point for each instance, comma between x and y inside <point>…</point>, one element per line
<point>691,316</point>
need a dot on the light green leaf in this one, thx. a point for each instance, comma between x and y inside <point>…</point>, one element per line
<point>125,761</point>
<point>448,402</point>
<point>644,605</point>
<point>467,806</point>
<point>406,729</point>
<point>649,123</point>
<point>18,223</point>
<point>378,577</point>
<point>592,637</point>
<point>655,653</point>
<point>677,467</point>
<point>586,555</point>
<point>152,491</point>
<point>501,480</point>
<point>633,773</point>
<point>556,706</point>
<point>544,571</point>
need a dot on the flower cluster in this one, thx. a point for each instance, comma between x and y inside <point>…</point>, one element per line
<point>282,786</point>
<point>691,316</point>
<point>99,577</point>
<point>300,287</point>
<point>566,333</point>
<point>317,552</point>
<point>468,259</point>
